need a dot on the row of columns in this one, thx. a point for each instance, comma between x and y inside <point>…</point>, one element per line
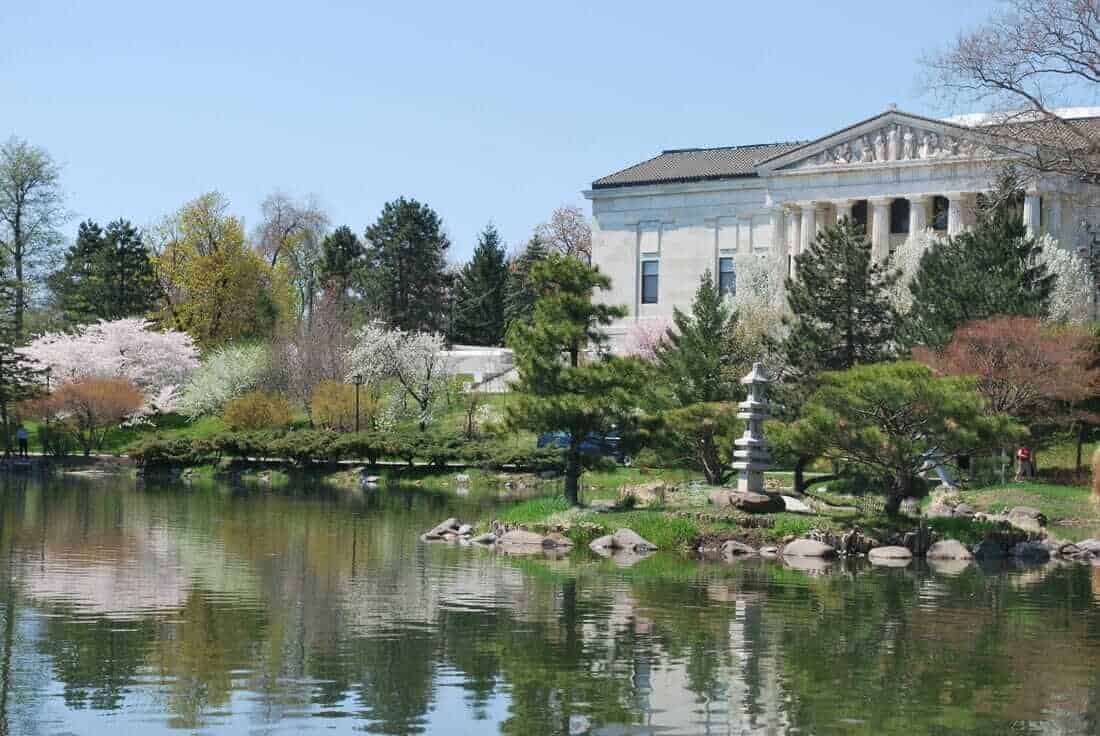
<point>797,225</point>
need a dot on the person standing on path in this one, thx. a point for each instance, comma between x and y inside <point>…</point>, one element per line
<point>22,436</point>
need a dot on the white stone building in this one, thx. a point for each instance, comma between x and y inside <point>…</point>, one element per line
<point>657,225</point>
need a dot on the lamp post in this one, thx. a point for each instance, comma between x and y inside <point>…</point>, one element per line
<point>49,372</point>
<point>358,384</point>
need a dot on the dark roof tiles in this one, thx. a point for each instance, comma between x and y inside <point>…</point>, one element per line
<point>696,164</point>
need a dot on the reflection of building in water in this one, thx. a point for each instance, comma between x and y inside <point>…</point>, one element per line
<point>677,694</point>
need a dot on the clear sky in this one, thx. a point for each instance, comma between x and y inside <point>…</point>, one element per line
<point>485,111</point>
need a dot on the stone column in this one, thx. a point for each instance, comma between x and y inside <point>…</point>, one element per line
<point>843,209</point>
<point>794,237</point>
<point>1054,227</point>
<point>809,226</point>
<point>880,228</point>
<point>918,213</point>
<point>1032,210</point>
<point>778,245</point>
<point>954,213</point>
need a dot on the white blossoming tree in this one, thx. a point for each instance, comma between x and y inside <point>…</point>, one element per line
<point>761,308</point>
<point>415,360</point>
<point>1074,289</point>
<point>225,373</point>
<point>906,260</point>
<point>156,362</point>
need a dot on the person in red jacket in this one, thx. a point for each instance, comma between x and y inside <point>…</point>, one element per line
<point>1024,467</point>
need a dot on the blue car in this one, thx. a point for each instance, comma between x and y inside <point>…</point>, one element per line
<point>594,444</point>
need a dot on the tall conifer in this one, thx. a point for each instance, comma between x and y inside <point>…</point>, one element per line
<point>480,292</point>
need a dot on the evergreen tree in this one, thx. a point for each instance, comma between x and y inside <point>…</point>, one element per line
<point>842,318</point>
<point>839,299</point>
<point>519,301</point>
<point>403,274</point>
<point>695,354</point>
<point>131,278</point>
<point>107,275</point>
<point>567,380</point>
<point>341,257</point>
<point>20,378</point>
<point>992,270</point>
<point>479,294</point>
<point>78,286</point>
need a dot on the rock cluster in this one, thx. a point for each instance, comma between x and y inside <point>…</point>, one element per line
<point>747,501</point>
<point>644,494</point>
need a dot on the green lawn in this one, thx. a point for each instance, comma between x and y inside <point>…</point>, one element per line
<point>1070,511</point>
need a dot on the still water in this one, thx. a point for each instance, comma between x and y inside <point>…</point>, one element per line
<point>139,609</point>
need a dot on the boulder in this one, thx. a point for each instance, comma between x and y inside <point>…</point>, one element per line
<point>519,539</point>
<point>602,544</point>
<point>486,538</point>
<point>987,549</point>
<point>1033,552</point>
<point>734,548</point>
<point>446,527</point>
<point>939,511</point>
<point>1027,518</point>
<point>808,548</point>
<point>631,541</point>
<point>964,509</point>
<point>644,494</point>
<point>465,530</point>
<point>795,505</point>
<point>557,541</point>
<point>889,553</point>
<point>949,549</point>
<point>769,551</point>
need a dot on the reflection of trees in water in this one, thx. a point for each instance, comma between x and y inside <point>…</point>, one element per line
<point>316,603</point>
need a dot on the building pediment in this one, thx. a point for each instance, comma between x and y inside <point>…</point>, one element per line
<point>893,138</point>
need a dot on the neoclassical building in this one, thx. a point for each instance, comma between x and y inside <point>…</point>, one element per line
<point>657,225</point>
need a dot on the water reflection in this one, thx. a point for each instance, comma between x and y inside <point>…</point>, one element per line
<point>212,608</point>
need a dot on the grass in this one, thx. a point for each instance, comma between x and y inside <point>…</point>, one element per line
<point>1070,511</point>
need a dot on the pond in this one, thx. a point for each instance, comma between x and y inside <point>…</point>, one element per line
<point>128,608</point>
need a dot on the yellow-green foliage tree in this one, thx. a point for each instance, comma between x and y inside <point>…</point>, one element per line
<point>258,410</point>
<point>332,406</point>
<point>215,287</point>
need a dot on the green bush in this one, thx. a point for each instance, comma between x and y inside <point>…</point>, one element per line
<point>243,445</point>
<point>306,446</point>
<point>369,446</point>
<point>160,451</point>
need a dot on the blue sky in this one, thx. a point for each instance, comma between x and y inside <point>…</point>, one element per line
<point>485,111</point>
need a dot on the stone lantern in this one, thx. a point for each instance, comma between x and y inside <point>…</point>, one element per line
<point>751,458</point>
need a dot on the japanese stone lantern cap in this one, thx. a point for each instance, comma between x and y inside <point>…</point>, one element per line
<point>757,375</point>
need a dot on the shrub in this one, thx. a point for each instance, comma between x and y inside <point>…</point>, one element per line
<point>243,445</point>
<point>306,446</point>
<point>91,407</point>
<point>225,373</point>
<point>258,410</point>
<point>361,445</point>
<point>160,451</point>
<point>332,406</point>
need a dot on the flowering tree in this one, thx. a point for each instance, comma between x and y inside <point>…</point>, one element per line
<point>157,363</point>
<point>226,373</point>
<point>93,407</point>
<point>645,337</point>
<point>905,260</point>
<point>761,307</point>
<point>416,360</point>
<point>1024,367</point>
<point>1074,287</point>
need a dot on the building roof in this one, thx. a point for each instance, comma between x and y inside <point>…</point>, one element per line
<point>732,162</point>
<point>696,164</point>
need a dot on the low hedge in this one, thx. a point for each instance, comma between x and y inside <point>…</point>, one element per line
<point>308,446</point>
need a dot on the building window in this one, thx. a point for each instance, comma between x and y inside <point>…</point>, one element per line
<point>859,213</point>
<point>649,282</point>
<point>899,217</point>
<point>727,277</point>
<point>940,207</point>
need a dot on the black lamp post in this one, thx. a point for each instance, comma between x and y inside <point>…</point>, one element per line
<point>49,372</point>
<point>358,383</point>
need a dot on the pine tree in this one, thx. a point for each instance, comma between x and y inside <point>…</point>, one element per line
<point>567,380</point>
<point>20,378</point>
<point>131,279</point>
<point>991,270</point>
<point>78,286</point>
<point>403,273</point>
<point>519,301</point>
<point>695,354</point>
<point>107,275</point>
<point>839,299</point>
<point>479,294</point>
<point>341,257</point>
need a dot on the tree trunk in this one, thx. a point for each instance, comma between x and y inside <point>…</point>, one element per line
<point>799,471</point>
<point>898,492</point>
<point>1081,432</point>
<point>573,474</point>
